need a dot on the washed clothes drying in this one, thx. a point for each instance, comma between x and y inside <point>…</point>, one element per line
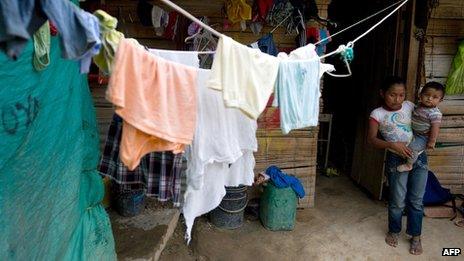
<point>110,40</point>
<point>245,76</point>
<point>267,45</point>
<point>297,88</point>
<point>221,153</point>
<point>79,30</point>
<point>282,180</point>
<point>159,173</point>
<point>157,100</point>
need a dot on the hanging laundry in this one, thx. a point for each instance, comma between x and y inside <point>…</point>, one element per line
<point>261,8</point>
<point>280,11</point>
<point>53,30</point>
<point>246,76</point>
<point>171,28</point>
<point>159,19</point>
<point>183,57</point>
<point>297,89</point>
<point>79,31</point>
<point>267,45</point>
<point>110,39</point>
<point>223,136</point>
<point>237,11</point>
<point>256,27</point>
<point>321,47</point>
<point>157,100</point>
<point>42,47</point>
<point>312,35</point>
<point>144,12</point>
<point>159,173</point>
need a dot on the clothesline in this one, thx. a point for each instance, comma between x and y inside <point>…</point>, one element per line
<point>359,22</point>
<point>340,48</point>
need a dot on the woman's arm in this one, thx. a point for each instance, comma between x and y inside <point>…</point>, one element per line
<point>398,147</point>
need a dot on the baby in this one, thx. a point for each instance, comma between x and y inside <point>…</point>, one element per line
<point>426,119</point>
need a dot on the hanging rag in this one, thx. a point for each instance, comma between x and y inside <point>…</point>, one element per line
<point>79,30</point>
<point>267,45</point>
<point>281,180</point>
<point>281,10</point>
<point>221,153</point>
<point>297,88</point>
<point>238,10</point>
<point>160,19</point>
<point>322,46</point>
<point>166,121</point>
<point>246,76</point>
<point>159,173</point>
<point>260,9</point>
<point>144,12</point>
<point>256,27</point>
<point>110,39</point>
<point>455,82</point>
<point>312,35</point>
<point>171,27</point>
<point>41,40</point>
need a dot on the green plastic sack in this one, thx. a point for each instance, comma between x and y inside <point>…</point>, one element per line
<point>455,82</point>
<point>50,191</point>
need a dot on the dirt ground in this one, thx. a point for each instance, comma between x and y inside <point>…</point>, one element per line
<point>344,225</point>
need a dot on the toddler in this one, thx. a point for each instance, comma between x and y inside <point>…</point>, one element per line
<point>425,124</point>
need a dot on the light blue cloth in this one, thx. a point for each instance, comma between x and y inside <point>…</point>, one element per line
<point>297,94</point>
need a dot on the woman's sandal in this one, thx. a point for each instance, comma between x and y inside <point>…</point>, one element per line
<point>416,246</point>
<point>392,239</point>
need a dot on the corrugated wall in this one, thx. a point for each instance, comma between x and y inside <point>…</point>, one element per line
<point>444,32</point>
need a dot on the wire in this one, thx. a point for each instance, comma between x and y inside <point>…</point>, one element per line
<point>359,22</point>
<point>191,17</point>
<point>280,23</point>
<point>381,21</point>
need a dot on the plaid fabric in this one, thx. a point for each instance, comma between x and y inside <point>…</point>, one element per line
<point>159,173</point>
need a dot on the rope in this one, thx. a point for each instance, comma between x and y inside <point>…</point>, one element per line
<point>280,23</point>
<point>191,17</point>
<point>359,22</point>
<point>381,21</point>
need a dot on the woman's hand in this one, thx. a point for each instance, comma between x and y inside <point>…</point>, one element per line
<point>401,149</point>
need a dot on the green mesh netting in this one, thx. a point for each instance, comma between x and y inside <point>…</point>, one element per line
<point>455,82</point>
<point>50,191</point>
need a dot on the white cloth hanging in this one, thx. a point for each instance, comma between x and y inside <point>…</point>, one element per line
<point>223,136</point>
<point>246,76</point>
<point>182,57</point>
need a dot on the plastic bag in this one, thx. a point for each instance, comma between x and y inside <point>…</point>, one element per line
<point>455,82</point>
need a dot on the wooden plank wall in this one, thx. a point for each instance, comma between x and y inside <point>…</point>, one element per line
<point>295,153</point>
<point>444,32</point>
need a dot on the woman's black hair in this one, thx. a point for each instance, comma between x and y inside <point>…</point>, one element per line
<point>390,81</point>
